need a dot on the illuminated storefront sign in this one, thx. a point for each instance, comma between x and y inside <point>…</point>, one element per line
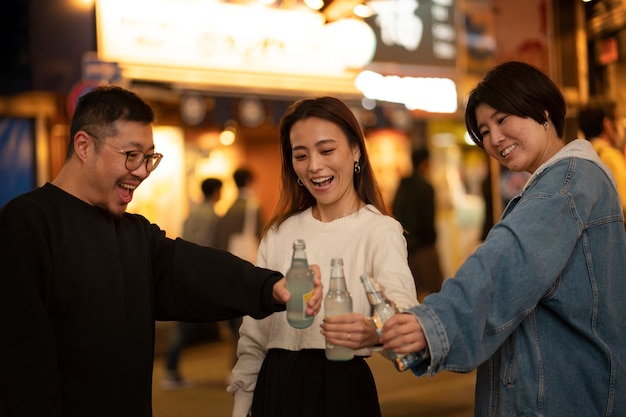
<point>236,39</point>
<point>235,47</point>
<point>414,32</point>
<point>416,44</point>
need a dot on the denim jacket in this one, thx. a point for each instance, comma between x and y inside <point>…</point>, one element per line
<point>540,307</point>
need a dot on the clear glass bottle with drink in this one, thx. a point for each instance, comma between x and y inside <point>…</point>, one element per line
<point>382,309</point>
<point>300,285</point>
<point>337,301</point>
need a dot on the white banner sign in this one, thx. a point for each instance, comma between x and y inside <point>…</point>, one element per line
<point>208,34</point>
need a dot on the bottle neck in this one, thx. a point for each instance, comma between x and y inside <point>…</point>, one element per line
<point>337,280</point>
<point>374,293</point>
<point>375,298</point>
<point>299,255</point>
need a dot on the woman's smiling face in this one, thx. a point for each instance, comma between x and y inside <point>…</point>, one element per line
<point>519,143</point>
<point>324,160</point>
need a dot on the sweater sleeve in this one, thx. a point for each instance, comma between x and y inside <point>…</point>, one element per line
<point>388,255</point>
<point>251,351</point>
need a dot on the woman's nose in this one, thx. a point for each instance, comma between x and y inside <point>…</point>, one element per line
<point>496,136</point>
<point>316,162</point>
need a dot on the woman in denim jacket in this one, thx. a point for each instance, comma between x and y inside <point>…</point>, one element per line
<point>540,307</point>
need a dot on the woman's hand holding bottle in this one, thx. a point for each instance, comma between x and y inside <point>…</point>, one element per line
<point>403,334</point>
<point>352,330</point>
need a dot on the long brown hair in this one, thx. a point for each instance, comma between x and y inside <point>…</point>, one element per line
<point>294,198</point>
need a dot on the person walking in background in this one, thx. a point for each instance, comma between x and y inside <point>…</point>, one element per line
<point>199,228</point>
<point>539,307</point>
<point>201,225</point>
<point>330,200</point>
<point>83,281</point>
<point>239,232</point>
<point>510,183</point>
<point>599,122</point>
<point>414,207</point>
<point>233,222</point>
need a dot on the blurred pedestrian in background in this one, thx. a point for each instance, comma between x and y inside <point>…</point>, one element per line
<point>600,123</point>
<point>199,227</point>
<point>510,183</point>
<point>414,207</point>
<point>239,232</point>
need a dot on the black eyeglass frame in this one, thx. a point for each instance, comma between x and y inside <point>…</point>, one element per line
<point>134,157</point>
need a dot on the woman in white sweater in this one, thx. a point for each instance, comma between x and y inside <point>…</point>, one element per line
<point>330,200</point>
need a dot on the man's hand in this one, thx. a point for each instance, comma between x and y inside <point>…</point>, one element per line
<point>281,295</point>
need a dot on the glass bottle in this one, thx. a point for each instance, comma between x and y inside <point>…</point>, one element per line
<point>337,301</point>
<point>382,309</point>
<point>300,286</point>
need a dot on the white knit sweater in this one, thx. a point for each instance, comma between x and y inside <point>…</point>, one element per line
<point>368,242</point>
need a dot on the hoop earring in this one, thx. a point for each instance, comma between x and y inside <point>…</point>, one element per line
<point>357,167</point>
<point>299,181</point>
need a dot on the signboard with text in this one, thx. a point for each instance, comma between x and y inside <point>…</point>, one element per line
<point>229,45</point>
<point>198,34</point>
<point>414,32</point>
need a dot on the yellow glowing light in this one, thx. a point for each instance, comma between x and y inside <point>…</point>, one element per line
<point>362,11</point>
<point>314,4</point>
<point>227,137</point>
<point>153,198</point>
<point>437,95</point>
<point>83,4</point>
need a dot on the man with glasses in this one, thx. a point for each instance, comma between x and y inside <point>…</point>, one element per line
<point>83,281</point>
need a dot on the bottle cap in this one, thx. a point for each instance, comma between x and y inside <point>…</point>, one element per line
<point>336,262</point>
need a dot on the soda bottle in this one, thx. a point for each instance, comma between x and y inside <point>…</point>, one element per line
<point>382,309</point>
<point>300,286</point>
<point>337,301</point>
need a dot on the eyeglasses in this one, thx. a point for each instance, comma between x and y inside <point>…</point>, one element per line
<point>134,159</point>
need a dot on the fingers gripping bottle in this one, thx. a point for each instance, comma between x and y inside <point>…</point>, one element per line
<point>337,301</point>
<point>300,285</point>
<point>382,310</point>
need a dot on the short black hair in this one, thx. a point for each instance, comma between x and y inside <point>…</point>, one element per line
<point>518,89</point>
<point>210,185</point>
<point>591,116</point>
<point>242,177</point>
<point>419,155</point>
<point>98,110</point>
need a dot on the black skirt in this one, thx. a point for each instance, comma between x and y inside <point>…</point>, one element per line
<point>306,384</point>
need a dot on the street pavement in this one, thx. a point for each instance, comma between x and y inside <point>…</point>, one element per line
<point>401,394</point>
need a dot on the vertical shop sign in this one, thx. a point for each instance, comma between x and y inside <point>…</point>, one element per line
<point>479,42</point>
<point>414,32</point>
<point>17,157</point>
